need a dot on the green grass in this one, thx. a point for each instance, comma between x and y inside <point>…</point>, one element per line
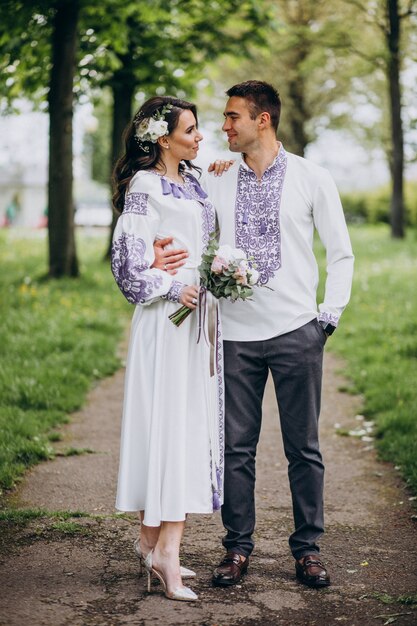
<point>23,516</point>
<point>57,338</point>
<point>74,451</point>
<point>13,516</point>
<point>70,528</point>
<point>385,598</point>
<point>378,338</point>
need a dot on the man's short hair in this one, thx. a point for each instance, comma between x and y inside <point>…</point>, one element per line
<point>261,97</point>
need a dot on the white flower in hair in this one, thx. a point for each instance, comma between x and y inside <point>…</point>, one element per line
<point>156,129</point>
<point>142,129</point>
<point>149,129</point>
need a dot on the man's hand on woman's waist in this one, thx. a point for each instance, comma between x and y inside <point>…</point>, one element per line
<point>168,260</point>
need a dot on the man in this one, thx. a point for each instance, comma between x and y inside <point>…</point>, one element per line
<point>268,204</point>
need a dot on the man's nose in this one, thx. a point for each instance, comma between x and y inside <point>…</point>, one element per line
<point>226,125</point>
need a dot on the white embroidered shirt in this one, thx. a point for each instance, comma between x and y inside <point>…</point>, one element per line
<point>273,220</point>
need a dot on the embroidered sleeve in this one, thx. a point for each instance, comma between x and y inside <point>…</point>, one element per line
<point>329,318</point>
<point>136,202</point>
<point>132,251</point>
<point>131,269</point>
<point>174,292</point>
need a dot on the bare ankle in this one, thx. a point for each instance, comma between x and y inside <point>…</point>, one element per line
<point>167,553</point>
<point>145,546</point>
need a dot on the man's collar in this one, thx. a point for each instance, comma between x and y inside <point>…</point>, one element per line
<point>281,156</point>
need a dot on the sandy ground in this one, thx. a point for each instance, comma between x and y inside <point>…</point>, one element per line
<point>85,572</point>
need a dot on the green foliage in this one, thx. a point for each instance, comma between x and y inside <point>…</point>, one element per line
<point>373,206</point>
<point>25,50</point>
<point>329,62</point>
<point>156,45</point>
<point>97,141</point>
<point>305,57</point>
<point>378,338</point>
<point>58,337</point>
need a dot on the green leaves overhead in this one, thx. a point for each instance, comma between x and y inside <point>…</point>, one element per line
<point>24,50</point>
<point>154,43</point>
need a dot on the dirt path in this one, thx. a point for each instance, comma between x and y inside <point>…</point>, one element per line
<point>83,570</point>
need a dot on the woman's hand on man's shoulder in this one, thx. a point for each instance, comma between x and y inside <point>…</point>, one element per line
<point>219,166</point>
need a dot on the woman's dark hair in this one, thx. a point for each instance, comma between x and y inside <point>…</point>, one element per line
<point>260,97</point>
<point>145,155</point>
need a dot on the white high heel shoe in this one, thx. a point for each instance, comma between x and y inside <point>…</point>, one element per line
<point>185,594</point>
<point>185,572</point>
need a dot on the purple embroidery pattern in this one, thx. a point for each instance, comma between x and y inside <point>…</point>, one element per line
<point>208,212</point>
<point>209,221</point>
<point>217,485</point>
<point>329,318</point>
<point>128,265</point>
<point>192,190</point>
<point>220,396</point>
<point>257,224</point>
<point>136,203</point>
<point>174,292</point>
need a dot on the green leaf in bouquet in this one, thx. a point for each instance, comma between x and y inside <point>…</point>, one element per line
<point>247,293</point>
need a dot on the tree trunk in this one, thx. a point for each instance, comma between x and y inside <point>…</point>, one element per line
<point>297,113</point>
<point>62,253</point>
<point>397,150</point>
<point>297,116</point>
<point>123,91</point>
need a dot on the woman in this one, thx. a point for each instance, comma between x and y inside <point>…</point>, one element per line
<point>171,459</point>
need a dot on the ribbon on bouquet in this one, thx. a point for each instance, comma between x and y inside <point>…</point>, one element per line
<point>207,309</point>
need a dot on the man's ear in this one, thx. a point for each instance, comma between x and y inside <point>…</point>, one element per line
<point>264,119</point>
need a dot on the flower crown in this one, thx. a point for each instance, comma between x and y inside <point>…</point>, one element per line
<point>149,129</point>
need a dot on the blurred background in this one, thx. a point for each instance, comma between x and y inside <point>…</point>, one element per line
<point>346,72</point>
<point>72,74</point>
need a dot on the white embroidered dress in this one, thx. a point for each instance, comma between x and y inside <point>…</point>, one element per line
<point>171,453</point>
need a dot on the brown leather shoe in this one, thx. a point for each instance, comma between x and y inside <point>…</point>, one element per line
<point>230,570</point>
<point>311,571</point>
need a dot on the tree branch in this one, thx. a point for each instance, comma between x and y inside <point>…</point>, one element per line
<point>409,11</point>
<point>371,19</point>
<point>373,60</point>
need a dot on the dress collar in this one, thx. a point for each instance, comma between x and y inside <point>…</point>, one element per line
<point>188,189</point>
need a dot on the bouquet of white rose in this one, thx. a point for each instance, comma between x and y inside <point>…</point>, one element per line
<point>225,272</point>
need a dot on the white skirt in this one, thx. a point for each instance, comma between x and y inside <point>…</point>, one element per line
<point>171,452</point>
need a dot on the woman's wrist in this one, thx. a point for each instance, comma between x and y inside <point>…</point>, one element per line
<point>174,293</point>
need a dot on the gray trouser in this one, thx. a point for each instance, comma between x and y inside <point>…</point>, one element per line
<point>295,361</point>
